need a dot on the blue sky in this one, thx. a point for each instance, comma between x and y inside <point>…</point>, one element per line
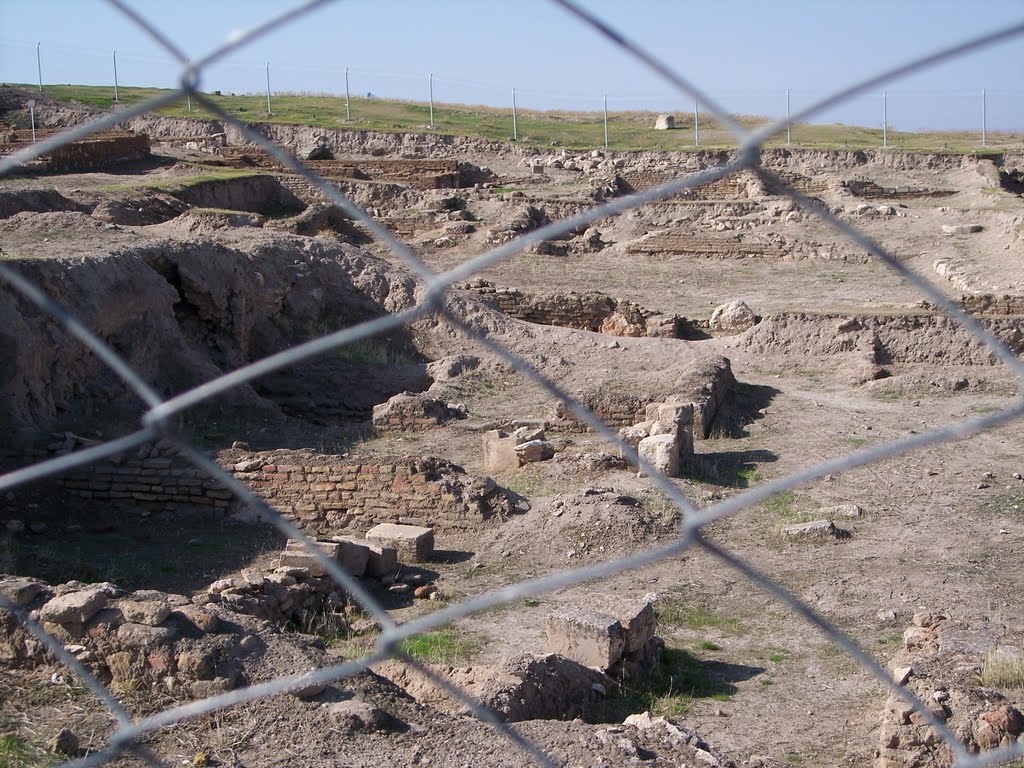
<point>746,53</point>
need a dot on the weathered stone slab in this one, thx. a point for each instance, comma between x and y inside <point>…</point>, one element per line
<point>816,529</point>
<point>202,619</point>
<point>74,607</point>
<point>966,642</point>
<point>499,451</point>
<point>961,229</point>
<point>413,543</point>
<point>589,638</point>
<point>295,555</point>
<point>152,613</point>
<point>845,510</point>
<point>662,453</point>
<point>527,433</point>
<point>143,636</point>
<point>534,450</point>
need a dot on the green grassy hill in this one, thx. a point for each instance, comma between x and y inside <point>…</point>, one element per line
<point>580,130</point>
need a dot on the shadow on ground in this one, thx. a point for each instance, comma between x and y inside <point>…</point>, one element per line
<point>745,405</point>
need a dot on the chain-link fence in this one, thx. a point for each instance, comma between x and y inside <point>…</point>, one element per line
<point>158,421</point>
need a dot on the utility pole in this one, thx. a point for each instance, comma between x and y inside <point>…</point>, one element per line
<point>430,84</point>
<point>39,67</point>
<point>885,120</point>
<point>789,135</point>
<point>696,127</point>
<point>348,109</point>
<point>115,76</point>
<point>606,121</point>
<point>984,120</point>
<point>268,90</point>
<point>515,124</point>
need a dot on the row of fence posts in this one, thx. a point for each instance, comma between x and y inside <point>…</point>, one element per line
<point>515,118</point>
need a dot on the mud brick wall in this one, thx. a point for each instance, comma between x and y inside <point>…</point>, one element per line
<point>988,304</point>
<point>154,477</point>
<point>723,248</point>
<point>336,493</point>
<point>418,174</point>
<point>323,492</point>
<point>99,152</point>
<point>869,190</point>
<point>731,188</point>
<point>585,311</point>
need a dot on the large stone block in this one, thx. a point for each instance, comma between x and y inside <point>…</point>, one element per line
<point>413,543</point>
<point>638,623</point>
<point>295,555</point>
<point>590,638</point>
<point>383,559</point>
<point>20,591</point>
<point>152,613</point>
<point>74,607</point>
<point>534,450</point>
<point>353,554</point>
<point>499,451</point>
<point>662,453</point>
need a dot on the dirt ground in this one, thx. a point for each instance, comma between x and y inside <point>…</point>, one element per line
<point>941,529</point>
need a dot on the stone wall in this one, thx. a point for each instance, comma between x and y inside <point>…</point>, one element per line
<point>97,151</point>
<point>593,311</point>
<point>704,391</point>
<point>324,492</point>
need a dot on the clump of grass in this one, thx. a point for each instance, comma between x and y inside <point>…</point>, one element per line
<point>444,646</point>
<point>15,752</point>
<point>1008,503</point>
<point>671,687</point>
<point>781,505</point>
<point>527,482</point>
<point>747,477</point>
<point>1001,672</point>
<point>678,614</point>
<point>372,352</point>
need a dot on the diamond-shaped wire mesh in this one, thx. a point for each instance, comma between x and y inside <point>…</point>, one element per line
<point>158,420</point>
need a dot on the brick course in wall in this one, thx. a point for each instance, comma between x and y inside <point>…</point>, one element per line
<point>325,492</point>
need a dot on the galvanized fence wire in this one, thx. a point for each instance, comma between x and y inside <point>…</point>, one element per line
<point>129,734</point>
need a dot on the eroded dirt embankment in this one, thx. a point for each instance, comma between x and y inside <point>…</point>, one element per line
<point>887,338</point>
<point>183,312</point>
